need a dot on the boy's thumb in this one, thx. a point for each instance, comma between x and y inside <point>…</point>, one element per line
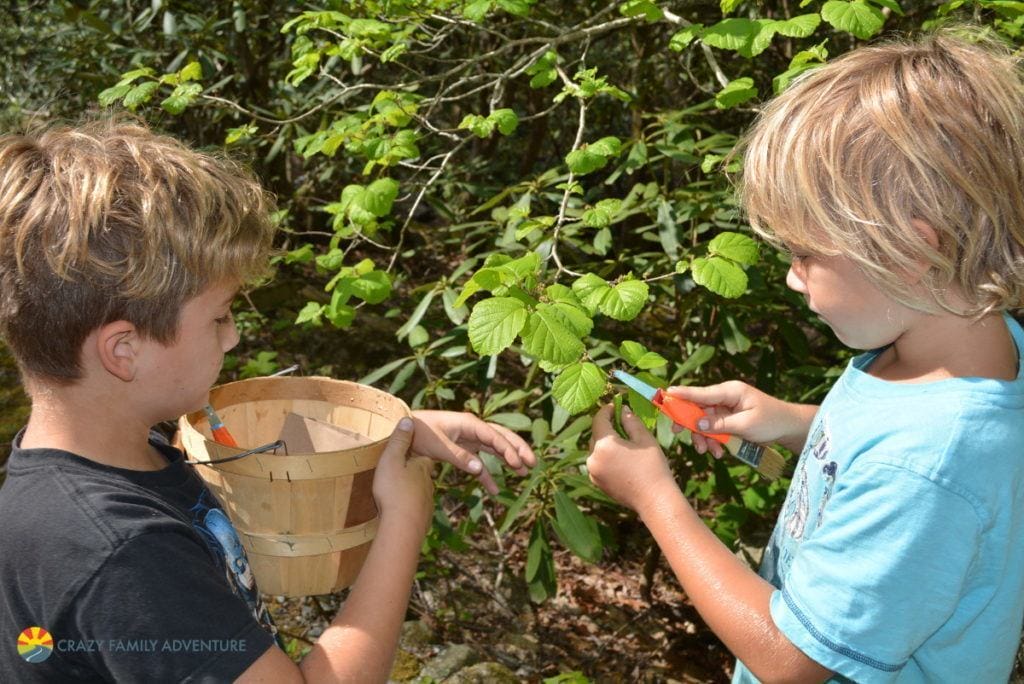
<point>398,445</point>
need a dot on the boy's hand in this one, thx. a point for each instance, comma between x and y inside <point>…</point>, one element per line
<point>456,437</point>
<point>402,487</point>
<point>628,470</point>
<point>737,408</point>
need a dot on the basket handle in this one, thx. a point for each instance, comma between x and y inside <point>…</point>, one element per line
<point>272,446</point>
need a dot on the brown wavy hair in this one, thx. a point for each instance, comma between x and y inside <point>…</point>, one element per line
<point>110,221</point>
<point>933,129</point>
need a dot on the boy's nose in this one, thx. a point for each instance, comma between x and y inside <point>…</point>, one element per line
<point>795,282</point>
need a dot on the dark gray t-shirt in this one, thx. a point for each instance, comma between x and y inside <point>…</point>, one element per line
<point>134,576</point>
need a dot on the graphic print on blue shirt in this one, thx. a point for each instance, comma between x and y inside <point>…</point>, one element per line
<point>219,534</point>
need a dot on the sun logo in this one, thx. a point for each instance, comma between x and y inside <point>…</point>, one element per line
<point>35,644</point>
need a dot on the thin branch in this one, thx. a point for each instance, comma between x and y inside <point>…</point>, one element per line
<point>720,76</point>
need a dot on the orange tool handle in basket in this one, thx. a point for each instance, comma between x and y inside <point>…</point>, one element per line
<point>221,435</point>
<point>685,413</point>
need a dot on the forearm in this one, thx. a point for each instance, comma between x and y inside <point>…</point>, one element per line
<point>731,598</point>
<point>359,645</point>
<point>799,419</point>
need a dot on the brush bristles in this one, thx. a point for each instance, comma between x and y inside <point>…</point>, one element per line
<point>764,460</point>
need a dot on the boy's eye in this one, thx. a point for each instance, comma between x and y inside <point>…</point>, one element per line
<point>223,320</point>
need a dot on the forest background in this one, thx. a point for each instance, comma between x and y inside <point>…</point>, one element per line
<point>487,205</point>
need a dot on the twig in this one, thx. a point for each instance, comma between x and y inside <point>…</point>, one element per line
<point>565,197</point>
<point>720,76</point>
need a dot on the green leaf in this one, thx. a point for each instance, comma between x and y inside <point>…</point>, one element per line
<point>113,94</point>
<point>624,301</point>
<point>856,17</point>
<point>735,246</point>
<point>735,341</point>
<point>140,94</point>
<point>584,161</point>
<point>681,39</point>
<point>578,532</point>
<point>312,313</point>
<point>505,119</point>
<point>591,290</point>
<point>609,146</point>
<point>602,213</point>
<point>737,92</point>
<point>895,6</point>
<point>719,275</point>
<point>540,565</point>
<point>729,6</point>
<point>646,8</point>
<point>731,34</point>
<point>477,10</point>
<point>494,324</point>
<point>578,387</point>
<point>181,97</point>
<point>193,71</point>
<point>262,365</point>
<point>379,196</point>
<point>302,255</point>
<point>373,287</point>
<point>546,337</point>
<point>480,126</point>
<point>573,317</point>
<point>638,355</point>
<point>701,355</point>
<point>798,27</point>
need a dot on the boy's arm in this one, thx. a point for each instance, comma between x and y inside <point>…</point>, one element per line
<point>732,599</point>
<point>359,645</point>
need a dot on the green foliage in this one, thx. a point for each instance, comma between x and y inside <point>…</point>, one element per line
<point>528,194</point>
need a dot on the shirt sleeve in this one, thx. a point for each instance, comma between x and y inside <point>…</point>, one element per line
<point>161,610</point>
<point>886,569</point>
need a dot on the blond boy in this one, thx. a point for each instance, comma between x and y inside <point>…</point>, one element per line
<point>120,254</point>
<point>894,175</point>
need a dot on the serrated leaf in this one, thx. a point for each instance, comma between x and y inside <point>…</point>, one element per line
<point>735,246</point>
<point>140,94</point>
<point>373,287</point>
<point>494,324</point>
<point>561,293</point>
<point>602,213</point>
<point>578,387</point>
<point>311,313</point>
<point>578,532</point>
<point>193,71</point>
<point>856,17</point>
<point>681,39</point>
<point>591,289</point>
<point>113,94</point>
<point>729,6</point>
<point>379,196</point>
<point>798,27</point>
<point>624,301</point>
<point>546,337</point>
<point>574,318</point>
<point>731,34</point>
<point>584,161</point>
<point>646,8</point>
<point>719,275</point>
<point>608,146</point>
<point>476,10</point>
<point>737,92</point>
<point>506,120</point>
<point>639,356</point>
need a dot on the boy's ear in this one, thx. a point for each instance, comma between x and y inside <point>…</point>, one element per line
<point>118,346</point>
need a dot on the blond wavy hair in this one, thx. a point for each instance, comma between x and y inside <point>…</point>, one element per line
<point>854,151</point>
<point>110,221</point>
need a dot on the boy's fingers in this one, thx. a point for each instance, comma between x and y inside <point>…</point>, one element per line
<point>523,450</point>
<point>397,447</point>
<point>601,425</point>
<point>635,428</point>
<point>724,394</point>
<point>470,463</point>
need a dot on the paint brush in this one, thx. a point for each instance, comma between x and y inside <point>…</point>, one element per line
<point>764,460</point>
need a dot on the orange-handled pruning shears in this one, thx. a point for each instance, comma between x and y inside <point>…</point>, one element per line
<point>764,459</point>
<point>220,433</point>
<point>681,411</point>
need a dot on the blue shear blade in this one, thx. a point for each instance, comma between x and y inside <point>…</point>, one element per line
<point>636,384</point>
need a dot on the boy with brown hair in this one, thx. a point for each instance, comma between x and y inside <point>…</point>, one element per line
<point>120,253</point>
<point>894,175</point>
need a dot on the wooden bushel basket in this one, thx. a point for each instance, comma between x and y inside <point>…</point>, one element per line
<point>306,520</point>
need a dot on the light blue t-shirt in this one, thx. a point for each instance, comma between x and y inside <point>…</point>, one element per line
<point>899,552</point>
